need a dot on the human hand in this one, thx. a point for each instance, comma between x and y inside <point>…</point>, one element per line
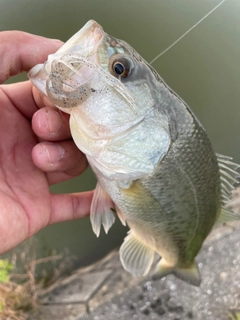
<point>33,156</point>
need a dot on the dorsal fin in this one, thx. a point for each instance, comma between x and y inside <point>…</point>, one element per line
<point>229,177</point>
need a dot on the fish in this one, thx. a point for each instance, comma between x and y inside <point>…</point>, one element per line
<point>155,165</point>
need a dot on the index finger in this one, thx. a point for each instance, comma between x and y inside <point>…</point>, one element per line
<point>20,51</point>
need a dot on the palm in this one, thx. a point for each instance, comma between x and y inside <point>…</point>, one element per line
<point>24,195</point>
<point>29,160</point>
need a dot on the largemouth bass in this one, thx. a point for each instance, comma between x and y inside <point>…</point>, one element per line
<point>155,165</point>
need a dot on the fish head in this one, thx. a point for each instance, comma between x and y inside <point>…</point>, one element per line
<point>109,91</point>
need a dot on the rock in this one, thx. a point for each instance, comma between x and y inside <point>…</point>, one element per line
<point>106,291</point>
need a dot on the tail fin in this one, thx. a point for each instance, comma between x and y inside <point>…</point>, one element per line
<point>189,274</point>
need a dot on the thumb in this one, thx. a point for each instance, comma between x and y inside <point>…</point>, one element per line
<point>20,51</point>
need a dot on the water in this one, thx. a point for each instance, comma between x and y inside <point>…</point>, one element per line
<point>203,68</point>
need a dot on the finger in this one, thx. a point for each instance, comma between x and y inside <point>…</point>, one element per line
<point>50,124</point>
<point>61,161</point>
<point>41,100</point>
<point>70,206</point>
<point>20,51</point>
<point>20,96</point>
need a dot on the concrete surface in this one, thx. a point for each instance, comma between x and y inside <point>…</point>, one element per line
<point>105,291</point>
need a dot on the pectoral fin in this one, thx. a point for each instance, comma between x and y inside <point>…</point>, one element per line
<point>121,217</point>
<point>101,212</point>
<point>136,257</point>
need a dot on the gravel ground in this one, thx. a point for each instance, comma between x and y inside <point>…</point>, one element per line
<point>171,298</point>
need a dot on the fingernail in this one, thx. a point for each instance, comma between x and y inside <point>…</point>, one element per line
<point>54,152</point>
<point>57,40</point>
<point>47,40</point>
<point>54,121</point>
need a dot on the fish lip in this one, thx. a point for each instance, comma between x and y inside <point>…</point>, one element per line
<point>38,77</point>
<point>88,38</point>
<point>91,30</point>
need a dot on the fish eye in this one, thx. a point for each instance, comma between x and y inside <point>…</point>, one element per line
<point>121,68</point>
<point>118,68</point>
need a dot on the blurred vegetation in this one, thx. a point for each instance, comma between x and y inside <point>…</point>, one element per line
<point>234,314</point>
<point>23,282</point>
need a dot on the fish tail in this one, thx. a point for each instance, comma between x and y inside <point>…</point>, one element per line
<point>161,271</point>
<point>189,274</point>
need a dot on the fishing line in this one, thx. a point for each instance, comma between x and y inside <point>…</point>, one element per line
<point>189,30</point>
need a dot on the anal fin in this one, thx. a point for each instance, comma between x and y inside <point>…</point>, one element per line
<point>136,256</point>
<point>101,212</point>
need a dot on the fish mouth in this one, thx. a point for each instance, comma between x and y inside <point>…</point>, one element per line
<point>85,44</point>
<point>68,76</point>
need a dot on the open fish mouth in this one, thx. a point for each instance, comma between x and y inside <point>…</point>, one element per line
<point>64,71</point>
<point>69,75</point>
